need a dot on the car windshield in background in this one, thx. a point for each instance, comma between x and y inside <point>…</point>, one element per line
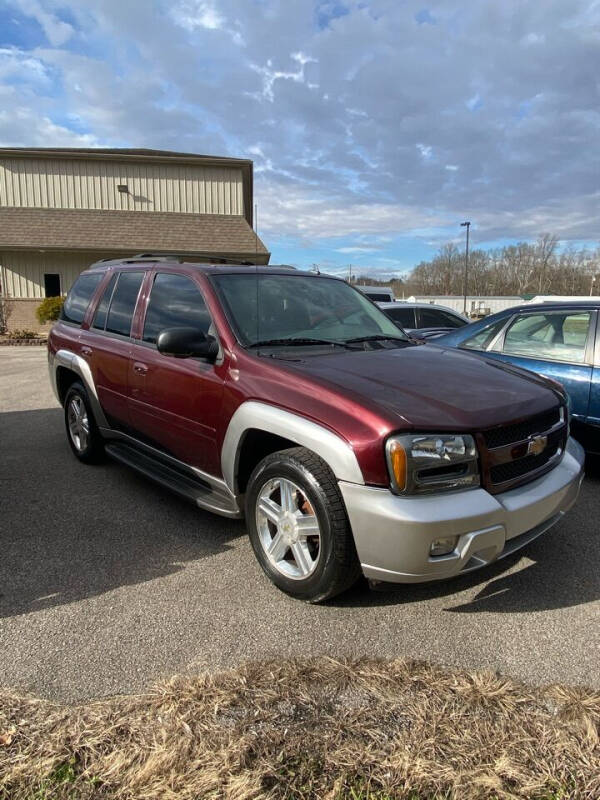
<point>296,309</point>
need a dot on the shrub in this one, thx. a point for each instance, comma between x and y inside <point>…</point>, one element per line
<point>6,308</point>
<point>23,333</point>
<point>49,309</point>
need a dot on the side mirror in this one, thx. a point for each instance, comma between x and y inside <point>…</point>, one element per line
<point>187,343</point>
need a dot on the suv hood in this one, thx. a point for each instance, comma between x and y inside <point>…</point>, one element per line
<point>431,387</point>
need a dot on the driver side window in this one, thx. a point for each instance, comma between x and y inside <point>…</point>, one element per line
<point>175,302</point>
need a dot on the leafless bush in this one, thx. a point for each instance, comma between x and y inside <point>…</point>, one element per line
<point>314,728</point>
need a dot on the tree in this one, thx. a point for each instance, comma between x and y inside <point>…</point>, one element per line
<point>517,269</point>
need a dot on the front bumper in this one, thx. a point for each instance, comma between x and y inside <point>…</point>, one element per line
<point>393,534</point>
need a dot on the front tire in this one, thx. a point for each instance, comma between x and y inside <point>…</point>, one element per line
<point>298,526</point>
<point>82,432</point>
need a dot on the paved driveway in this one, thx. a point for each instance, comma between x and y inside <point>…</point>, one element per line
<point>108,582</point>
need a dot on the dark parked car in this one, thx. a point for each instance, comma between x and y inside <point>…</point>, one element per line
<point>559,340</point>
<point>290,398</point>
<point>377,293</point>
<point>423,320</point>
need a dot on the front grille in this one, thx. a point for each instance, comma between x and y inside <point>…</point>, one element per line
<point>504,457</point>
<point>511,470</point>
<point>498,437</point>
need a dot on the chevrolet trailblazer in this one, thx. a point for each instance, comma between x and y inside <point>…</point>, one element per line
<point>291,399</point>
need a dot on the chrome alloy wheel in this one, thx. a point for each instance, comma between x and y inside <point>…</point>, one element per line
<point>79,425</point>
<point>288,528</point>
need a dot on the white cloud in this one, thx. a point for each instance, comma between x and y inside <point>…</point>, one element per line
<point>533,38</point>
<point>40,131</point>
<point>18,64</point>
<point>304,213</point>
<point>270,75</point>
<point>474,102</point>
<point>198,14</point>
<point>194,14</point>
<point>356,249</point>
<point>57,31</point>
<point>362,127</point>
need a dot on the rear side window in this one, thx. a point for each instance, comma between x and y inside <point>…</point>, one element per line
<point>403,316</point>
<point>435,318</point>
<point>103,305</point>
<point>175,302</point>
<point>123,302</point>
<point>79,297</point>
<point>379,297</point>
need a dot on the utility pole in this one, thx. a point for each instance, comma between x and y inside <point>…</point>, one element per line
<point>466,225</point>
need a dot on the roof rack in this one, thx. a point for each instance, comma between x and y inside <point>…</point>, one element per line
<point>153,257</point>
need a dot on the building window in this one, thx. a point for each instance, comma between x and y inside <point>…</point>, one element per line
<point>51,284</point>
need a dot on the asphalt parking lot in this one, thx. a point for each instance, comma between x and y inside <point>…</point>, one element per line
<point>108,582</point>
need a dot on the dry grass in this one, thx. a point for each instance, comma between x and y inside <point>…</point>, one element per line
<point>308,729</point>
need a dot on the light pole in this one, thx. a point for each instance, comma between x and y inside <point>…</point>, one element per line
<point>466,225</point>
<point>592,285</point>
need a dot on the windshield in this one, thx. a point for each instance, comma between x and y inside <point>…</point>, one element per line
<point>278,308</point>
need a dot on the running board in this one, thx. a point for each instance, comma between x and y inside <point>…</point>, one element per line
<point>183,483</point>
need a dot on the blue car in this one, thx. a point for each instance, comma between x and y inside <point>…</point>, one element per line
<point>559,340</point>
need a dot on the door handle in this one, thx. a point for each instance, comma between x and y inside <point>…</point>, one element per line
<point>141,369</point>
<point>86,351</point>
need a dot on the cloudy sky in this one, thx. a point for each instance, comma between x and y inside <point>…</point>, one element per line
<point>376,126</point>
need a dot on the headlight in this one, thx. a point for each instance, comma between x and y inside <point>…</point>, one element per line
<point>433,462</point>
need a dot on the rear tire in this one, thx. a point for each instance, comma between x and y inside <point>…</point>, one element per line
<point>82,432</point>
<point>298,526</point>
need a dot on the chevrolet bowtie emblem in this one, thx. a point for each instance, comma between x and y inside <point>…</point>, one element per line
<point>536,445</point>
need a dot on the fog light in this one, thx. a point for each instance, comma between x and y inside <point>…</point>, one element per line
<point>442,547</point>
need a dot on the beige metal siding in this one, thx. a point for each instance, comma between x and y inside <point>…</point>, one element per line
<point>79,183</point>
<point>23,272</point>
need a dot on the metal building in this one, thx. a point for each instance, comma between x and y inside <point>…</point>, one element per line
<point>477,306</point>
<point>62,209</point>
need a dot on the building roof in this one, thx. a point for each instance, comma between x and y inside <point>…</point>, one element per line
<point>127,231</point>
<point>127,152</point>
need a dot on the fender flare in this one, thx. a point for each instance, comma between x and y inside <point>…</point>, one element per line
<point>252,414</point>
<point>78,365</point>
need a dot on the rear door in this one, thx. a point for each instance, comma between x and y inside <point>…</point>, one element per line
<point>175,403</point>
<point>106,345</point>
<point>555,343</point>
<point>594,409</point>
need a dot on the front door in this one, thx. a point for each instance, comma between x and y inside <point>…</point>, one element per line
<point>557,344</point>
<point>175,403</point>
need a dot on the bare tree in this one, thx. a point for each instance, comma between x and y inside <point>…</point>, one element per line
<point>518,269</point>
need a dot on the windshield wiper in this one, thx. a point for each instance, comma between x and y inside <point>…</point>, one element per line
<point>295,342</point>
<point>376,337</point>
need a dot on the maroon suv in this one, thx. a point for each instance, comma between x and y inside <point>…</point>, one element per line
<point>290,398</point>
